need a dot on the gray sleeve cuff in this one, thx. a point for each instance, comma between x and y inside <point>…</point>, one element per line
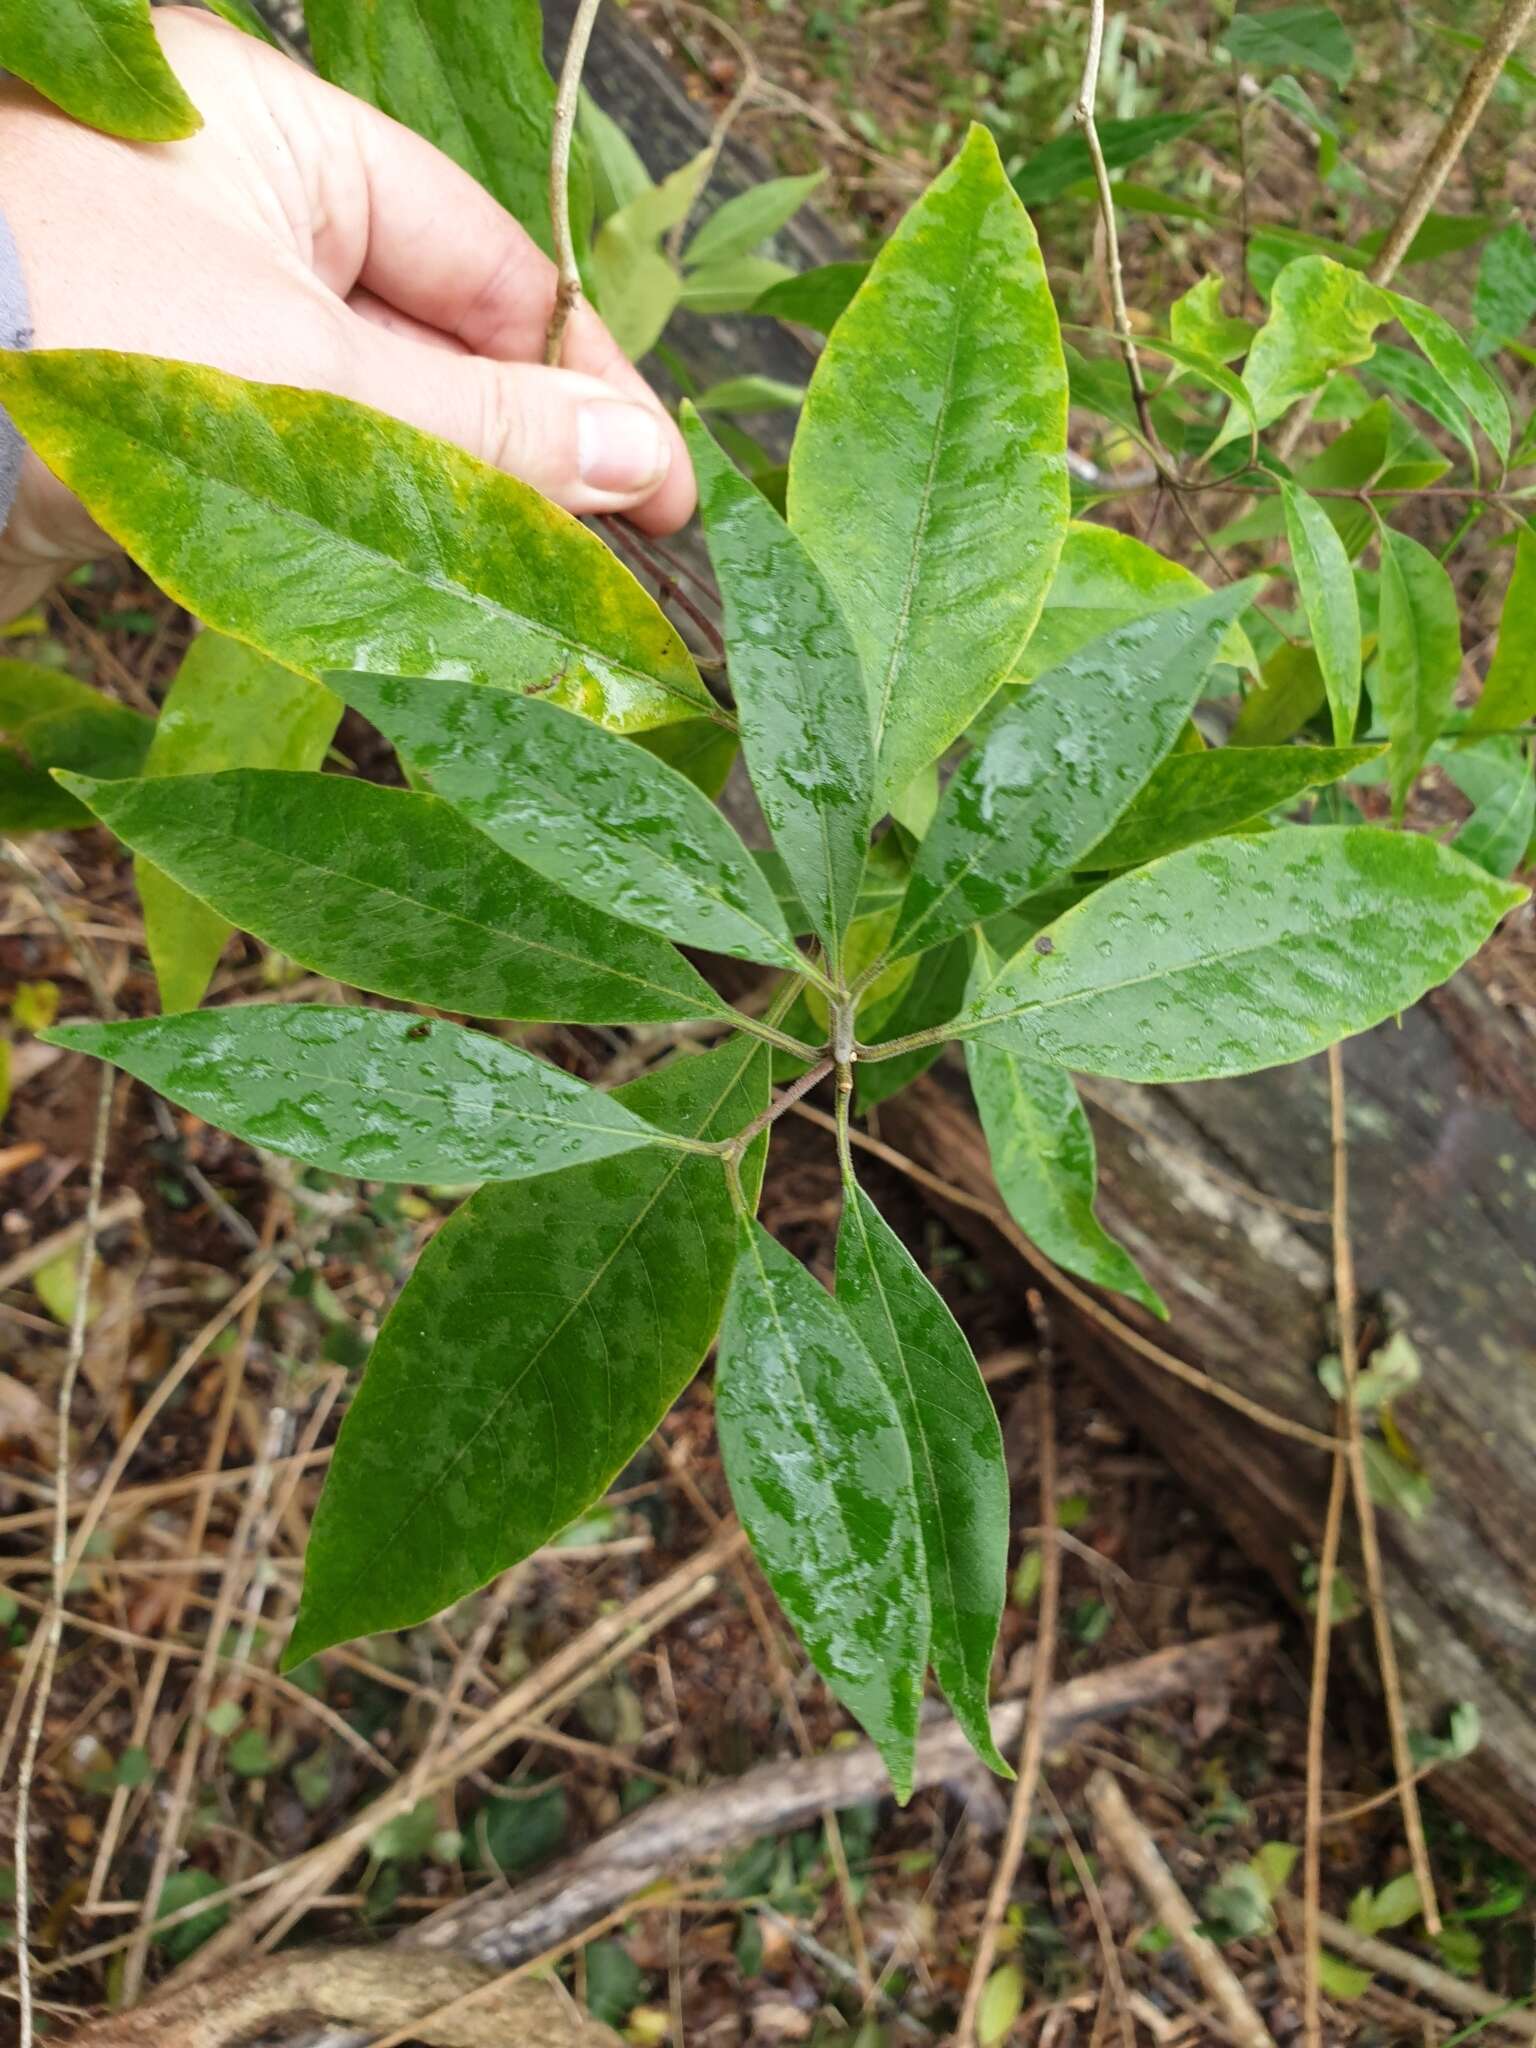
<point>15,332</point>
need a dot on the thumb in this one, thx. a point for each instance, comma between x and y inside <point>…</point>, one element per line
<point>575,438</point>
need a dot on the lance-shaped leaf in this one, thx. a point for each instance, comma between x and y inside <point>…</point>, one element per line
<point>1059,766</point>
<point>546,1330</point>
<point>1043,1160</point>
<point>1301,38</point>
<point>1473,382</point>
<point>1327,584</point>
<point>935,993</point>
<point>1196,796</point>
<point>392,891</point>
<point>800,694</point>
<point>1240,954</point>
<point>956,1448</point>
<point>928,476</point>
<point>229,707</point>
<point>814,298</point>
<point>589,809</point>
<point>1497,776</point>
<point>471,79</point>
<point>1418,655</point>
<point>822,1479</point>
<point>378,1094</point>
<point>101,61</point>
<point>743,223</point>
<point>1509,690</point>
<point>1105,579</point>
<point>331,537</point>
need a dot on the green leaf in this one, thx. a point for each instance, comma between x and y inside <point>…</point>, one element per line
<point>1418,655</point>
<point>1290,691</point>
<point>1059,766</point>
<point>1501,827</point>
<point>956,1447</point>
<point>1394,1905</point>
<point>51,721</point>
<point>618,170</point>
<point>589,810</point>
<point>1473,382</point>
<point>1301,38</point>
<point>1418,381</point>
<point>101,61</point>
<point>800,693</point>
<point>242,15</point>
<point>182,1888</point>
<point>546,1330</point>
<point>815,298</point>
<point>1198,322</point>
<point>934,994</point>
<point>1338,1979</point>
<point>331,537</point>
<point>1043,1160</point>
<point>732,285</point>
<point>228,707</point>
<point>1242,953</point>
<point>822,1478</point>
<point>1198,796</point>
<point>393,892</point>
<point>1504,302</point>
<point>751,394</point>
<point>470,79</point>
<point>1002,2000</point>
<point>1322,317</point>
<point>743,223</point>
<point>928,477</point>
<point>1509,690</point>
<point>1103,580</point>
<point>1327,585</point>
<point>1064,160</point>
<point>377,1094</point>
<point>635,287</point>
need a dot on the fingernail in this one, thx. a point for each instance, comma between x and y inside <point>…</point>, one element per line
<point>620,448</point>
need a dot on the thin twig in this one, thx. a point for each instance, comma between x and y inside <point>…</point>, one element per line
<point>1365,1506</point>
<point>1040,1675</point>
<point>1114,1975</point>
<point>1317,1714</point>
<point>1084,115</point>
<point>53,1627</point>
<point>1455,1994</point>
<point>1121,1831</point>
<point>567,98</point>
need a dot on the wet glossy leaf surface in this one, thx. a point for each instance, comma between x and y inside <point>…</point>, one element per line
<point>228,707</point>
<point>1418,655</point>
<point>1059,766</point>
<point>471,79</point>
<point>546,1330</point>
<point>331,537</point>
<point>1509,690</point>
<point>800,694</point>
<point>379,1094</point>
<point>1327,585</point>
<point>1196,796</point>
<point>822,1479</point>
<point>1240,954</point>
<point>101,61</point>
<point>393,892</point>
<point>1042,1152</point>
<point>1105,579</point>
<point>928,476</point>
<point>590,810</point>
<point>956,1449</point>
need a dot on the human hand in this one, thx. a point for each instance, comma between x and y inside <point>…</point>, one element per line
<point>301,237</point>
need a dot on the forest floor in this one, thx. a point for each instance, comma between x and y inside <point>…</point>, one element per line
<point>236,1298</point>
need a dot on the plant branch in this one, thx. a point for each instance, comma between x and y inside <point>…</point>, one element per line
<point>1317,1711</point>
<point>567,98</point>
<point>785,1099</point>
<point>1040,1674</point>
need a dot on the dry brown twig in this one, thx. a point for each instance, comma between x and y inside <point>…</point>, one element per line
<point>1040,1675</point>
<point>1123,1834</point>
